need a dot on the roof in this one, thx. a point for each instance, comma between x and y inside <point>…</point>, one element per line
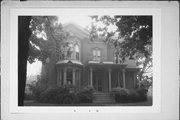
<point>106,64</point>
<point>76,30</point>
<point>111,65</point>
<point>69,62</point>
<point>99,62</point>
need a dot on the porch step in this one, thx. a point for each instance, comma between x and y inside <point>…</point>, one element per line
<point>102,98</point>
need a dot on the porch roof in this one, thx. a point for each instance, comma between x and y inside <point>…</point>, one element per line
<point>69,62</point>
<point>101,64</point>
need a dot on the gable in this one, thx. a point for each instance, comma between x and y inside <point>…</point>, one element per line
<point>76,30</point>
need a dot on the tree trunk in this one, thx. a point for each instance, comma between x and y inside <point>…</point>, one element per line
<point>23,48</point>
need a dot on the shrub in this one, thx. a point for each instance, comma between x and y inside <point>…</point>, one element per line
<point>149,94</point>
<point>120,94</point>
<point>53,94</point>
<point>70,98</point>
<point>85,95</point>
<point>49,95</point>
<point>28,96</point>
<point>60,95</point>
<point>142,93</point>
<point>37,89</point>
<point>133,96</point>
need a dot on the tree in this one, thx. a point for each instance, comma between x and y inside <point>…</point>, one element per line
<point>38,38</point>
<point>47,35</point>
<point>131,38</point>
<point>23,47</point>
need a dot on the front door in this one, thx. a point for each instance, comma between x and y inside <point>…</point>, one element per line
<point>97,82</point>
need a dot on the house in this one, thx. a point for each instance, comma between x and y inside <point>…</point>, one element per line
<point>91,63</point>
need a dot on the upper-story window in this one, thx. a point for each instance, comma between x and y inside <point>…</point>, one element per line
<point>76,52</point>
<point>96,54</point>
<point>117,59</point>
<point>73,52</point>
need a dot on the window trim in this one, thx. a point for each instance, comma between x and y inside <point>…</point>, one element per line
<point>95,56</point>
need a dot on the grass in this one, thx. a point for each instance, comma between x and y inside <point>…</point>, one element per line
<point>32,103</point>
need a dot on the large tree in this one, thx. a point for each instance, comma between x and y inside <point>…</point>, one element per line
<point>131,36</point>
<point>38,38</point>
<point>23,47</point>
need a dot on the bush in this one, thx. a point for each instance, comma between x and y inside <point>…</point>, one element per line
<point>133,96</point>
<point>49,95</point>
<point>37,88</point>
<point>85,95</point>
<point>28,96</point>
<point>59,95</point>
<point>53,94</point>
<point>120,94</point>
<point>149,94</point>
<point>142,93</point>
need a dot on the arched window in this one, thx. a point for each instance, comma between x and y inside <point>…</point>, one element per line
<point>96,54</point>
<point>76,52</point>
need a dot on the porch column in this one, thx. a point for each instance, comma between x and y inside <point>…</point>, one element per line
<point>109,71</point>
<point>79,78</point>
<point>91,81</point>
<point>74,77</point>
<point>118,79</point>
<point>135,77</point>
<point>64,79</point>
<point>139,79</point>
<point>124,79</point>
<point>58,77</point>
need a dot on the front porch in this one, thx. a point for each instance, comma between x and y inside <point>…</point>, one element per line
<point>105,76</point>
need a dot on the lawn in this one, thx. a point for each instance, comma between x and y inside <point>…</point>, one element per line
<point>32,103</point>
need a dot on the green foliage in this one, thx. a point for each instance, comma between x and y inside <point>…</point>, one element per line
<point>53,94</point>
<point>85,95</point>
<point>61,95</point>
<point>37,88</point>
<point>132,38</point>
<point>28,96</point>
<point>136,32</point>
<point>47,35</point>
<point>133,96</point>
<point>122,95</point>
<point>143,94</point>
<point>146,82</point>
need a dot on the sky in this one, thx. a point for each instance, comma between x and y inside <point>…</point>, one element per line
<point>82,20</point>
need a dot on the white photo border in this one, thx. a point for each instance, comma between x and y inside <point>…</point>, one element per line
<point>156,15</point>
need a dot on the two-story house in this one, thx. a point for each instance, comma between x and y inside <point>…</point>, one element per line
<point>91,63</point>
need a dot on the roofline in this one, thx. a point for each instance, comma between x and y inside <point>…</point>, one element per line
<point>76,25</point>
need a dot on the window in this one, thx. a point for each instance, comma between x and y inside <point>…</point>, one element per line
<point>76,52</point>
<point>96,54</point>
<point>117,59</point>
<point>69,76</point>
<point>73,52</point>
<point>70,50</point>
